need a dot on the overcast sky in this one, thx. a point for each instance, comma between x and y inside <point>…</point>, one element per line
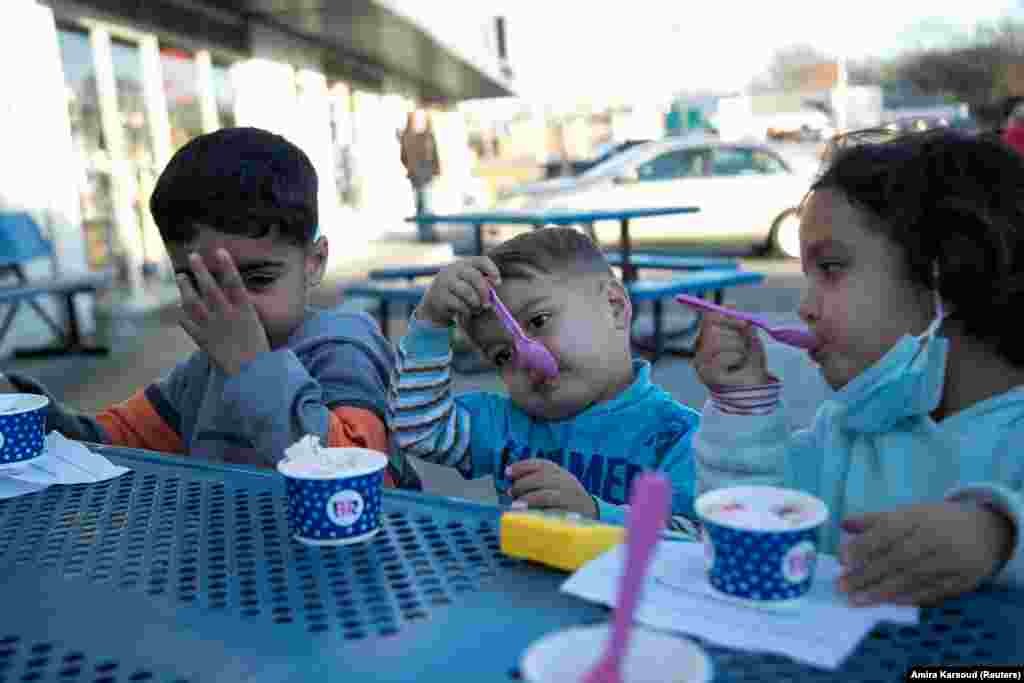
<point>566,48</point>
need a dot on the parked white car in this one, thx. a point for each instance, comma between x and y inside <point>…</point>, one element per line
<point>747,193</point>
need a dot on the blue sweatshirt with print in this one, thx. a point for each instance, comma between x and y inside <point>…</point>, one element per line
<point>481,433</point>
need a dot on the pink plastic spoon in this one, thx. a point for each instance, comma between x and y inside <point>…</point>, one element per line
<point>799,337</point>
<point>648,511</point>
<point>530,353</point>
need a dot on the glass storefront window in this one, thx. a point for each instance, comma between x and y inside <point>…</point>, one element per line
<point>342,138</point>
<point>138,141</point>
<point>95,191</point>
<point>181,88</point>
<point>224,94</point>
<point>130,101</point>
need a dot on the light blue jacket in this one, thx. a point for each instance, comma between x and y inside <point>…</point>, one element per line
<point>976,454</point>
<point>480,433</point>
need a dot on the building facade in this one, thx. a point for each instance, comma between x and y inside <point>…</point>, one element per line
<point>100,94</point>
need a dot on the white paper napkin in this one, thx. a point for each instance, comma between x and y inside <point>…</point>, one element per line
<point>822,631</point>
<point>63,462</point>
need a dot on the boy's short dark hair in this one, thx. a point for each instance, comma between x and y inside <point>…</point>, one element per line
<point>241,181</point>
<point>557,251</point>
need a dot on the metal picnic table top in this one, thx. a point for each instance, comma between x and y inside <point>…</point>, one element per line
<point>541,218</point>
<point>181,570</point>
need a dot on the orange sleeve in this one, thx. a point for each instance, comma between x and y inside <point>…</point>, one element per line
<point>358,427</point>
<point>135,423</point>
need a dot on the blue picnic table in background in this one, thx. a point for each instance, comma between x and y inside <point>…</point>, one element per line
<point>539,219</point>
<point>183,571</point>
<point>702,275</point>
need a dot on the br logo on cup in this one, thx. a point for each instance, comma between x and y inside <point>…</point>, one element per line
<point>345,507</point>
<point>798,562</point>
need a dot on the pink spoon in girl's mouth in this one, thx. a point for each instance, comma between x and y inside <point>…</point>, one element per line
<point>800,337</point>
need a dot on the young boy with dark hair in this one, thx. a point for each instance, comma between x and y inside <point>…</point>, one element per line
<point>237,210</point>
<point>573,443</point>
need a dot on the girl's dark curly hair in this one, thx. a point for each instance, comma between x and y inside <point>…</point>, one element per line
<point>954,202</point>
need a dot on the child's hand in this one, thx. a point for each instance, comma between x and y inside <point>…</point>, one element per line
<point>459,289</point>
<point>923,554</point>
<point>544,485</point>
<point>729,353</point>
<point>220,318</point>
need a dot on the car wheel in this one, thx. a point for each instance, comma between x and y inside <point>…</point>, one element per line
<point>785,234</point>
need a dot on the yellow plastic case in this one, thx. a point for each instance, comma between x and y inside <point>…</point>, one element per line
<point>558,539</point>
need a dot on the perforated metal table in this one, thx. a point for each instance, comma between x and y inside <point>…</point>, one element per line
<point>180,571</point>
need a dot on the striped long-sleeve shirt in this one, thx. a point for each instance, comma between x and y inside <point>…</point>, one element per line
<point>480,433</point>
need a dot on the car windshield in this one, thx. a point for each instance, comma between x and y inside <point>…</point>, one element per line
<point>617,163</point>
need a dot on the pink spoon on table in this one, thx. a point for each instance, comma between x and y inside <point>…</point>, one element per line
<point>799,337</point>
<point>530,353</point>
<point>648,511</point>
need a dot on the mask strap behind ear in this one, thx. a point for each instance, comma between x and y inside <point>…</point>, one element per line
<point>940,310</point>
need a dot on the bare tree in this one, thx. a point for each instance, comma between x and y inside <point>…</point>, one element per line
<point>978,72</point>
<point>789,67</point>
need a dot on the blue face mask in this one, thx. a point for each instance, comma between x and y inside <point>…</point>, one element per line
<point>906,382</point>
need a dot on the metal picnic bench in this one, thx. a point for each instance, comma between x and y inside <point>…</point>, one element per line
<point>22,241</point>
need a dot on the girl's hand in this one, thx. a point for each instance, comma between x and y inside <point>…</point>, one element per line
<point>729,353</point>
<point>922,554</point>
<point>459,289</point>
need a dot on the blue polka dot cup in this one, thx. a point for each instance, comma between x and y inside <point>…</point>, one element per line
<point>334,497</point>
<point>22,426</point>
<point>760,543</point>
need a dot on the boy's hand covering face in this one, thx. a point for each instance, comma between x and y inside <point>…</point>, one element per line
<point>221,318</point>
<point>542,484</point>
<point>922,554</point>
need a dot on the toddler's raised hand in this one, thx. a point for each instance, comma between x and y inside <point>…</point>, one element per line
<point>729,353</point>
<point>459,289</point>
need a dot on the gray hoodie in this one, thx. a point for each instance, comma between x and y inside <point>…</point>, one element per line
<point>333,360</point>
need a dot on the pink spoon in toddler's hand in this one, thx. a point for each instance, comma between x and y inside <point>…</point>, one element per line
<point>799,337</point>
<point>648,511</point>
<point>530,353</point>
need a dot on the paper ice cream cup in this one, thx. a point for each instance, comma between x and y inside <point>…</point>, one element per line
<point>22,425</point>
<point>334,498</point>
<point>652,657</point>
<point>760,543</point>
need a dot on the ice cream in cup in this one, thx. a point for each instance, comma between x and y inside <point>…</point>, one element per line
<point>334,494</point>
<point>760,543</point>
<point>22,425</point>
